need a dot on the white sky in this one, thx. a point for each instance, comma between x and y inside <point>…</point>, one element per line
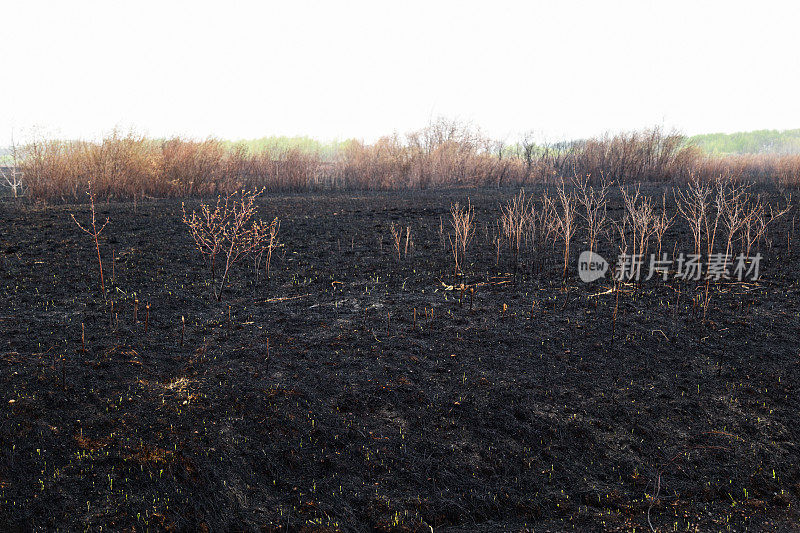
<point>362,69</point>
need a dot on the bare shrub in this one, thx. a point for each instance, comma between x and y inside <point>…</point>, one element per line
<point>694,205</point>
<point>593,201</point>
<point>622,231</point>
<point>463,223</point>
<point>758,215</point>
<point>289,170</point>
<point>639,213</point>
<point>206,227</point>
<point>122,166</point>
<point>386,164</point>
<point>565,219</point>
<point>541,230</point>
<point>781,168</point>
<point>548,220</point>
<point>731,200</point>
<point>229,229</point>
<point>648,155</point>
<point>516,217</point>
<point>661,223</point>
<point>444,153</point>
<point>497,240</point>
<point>787,170</point>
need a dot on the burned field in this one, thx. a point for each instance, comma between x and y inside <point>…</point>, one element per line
<point>361,387</point>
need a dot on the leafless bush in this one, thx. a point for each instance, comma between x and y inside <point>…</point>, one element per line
<point>463,223</point>
<point>541,230</point>
<point>639,212</point>
<point>548,220</point>
<point>648,155</point>
<point>694,205</point>
<point>593,201</point>
<point>229,229</point>
<point>288,170</point>
<point>497,239</point>
<point>565,219</point>
<point>661,223</point>
<point>207,228</point>
<point>118,166</point>
<point>192,167</point>
<point>781,168</point>
<point>516,217</point>
<point>758,215</point>
<point>711,238</point>
<point>731,201</point>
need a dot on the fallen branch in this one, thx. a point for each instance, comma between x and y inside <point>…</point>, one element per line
<point>281,299</point>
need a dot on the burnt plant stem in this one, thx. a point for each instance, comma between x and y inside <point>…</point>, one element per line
<point>94,233</point>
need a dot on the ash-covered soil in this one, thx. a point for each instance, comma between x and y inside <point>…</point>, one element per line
<point>314,401</point>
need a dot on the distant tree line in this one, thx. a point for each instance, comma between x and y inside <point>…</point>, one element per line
<point>443,154</point>
<point>749,142</point>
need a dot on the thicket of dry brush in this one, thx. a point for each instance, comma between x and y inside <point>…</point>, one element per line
<point>443,154</point>
<point>725,217</point>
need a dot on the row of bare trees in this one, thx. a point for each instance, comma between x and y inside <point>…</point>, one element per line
<point>443,154</point>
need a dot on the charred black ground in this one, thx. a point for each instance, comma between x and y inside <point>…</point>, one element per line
<point>312,400</point>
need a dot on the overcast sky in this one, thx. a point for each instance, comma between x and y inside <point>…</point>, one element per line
<point>332,69</point>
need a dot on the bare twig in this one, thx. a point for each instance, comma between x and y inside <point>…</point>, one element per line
<point>94,233</point>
